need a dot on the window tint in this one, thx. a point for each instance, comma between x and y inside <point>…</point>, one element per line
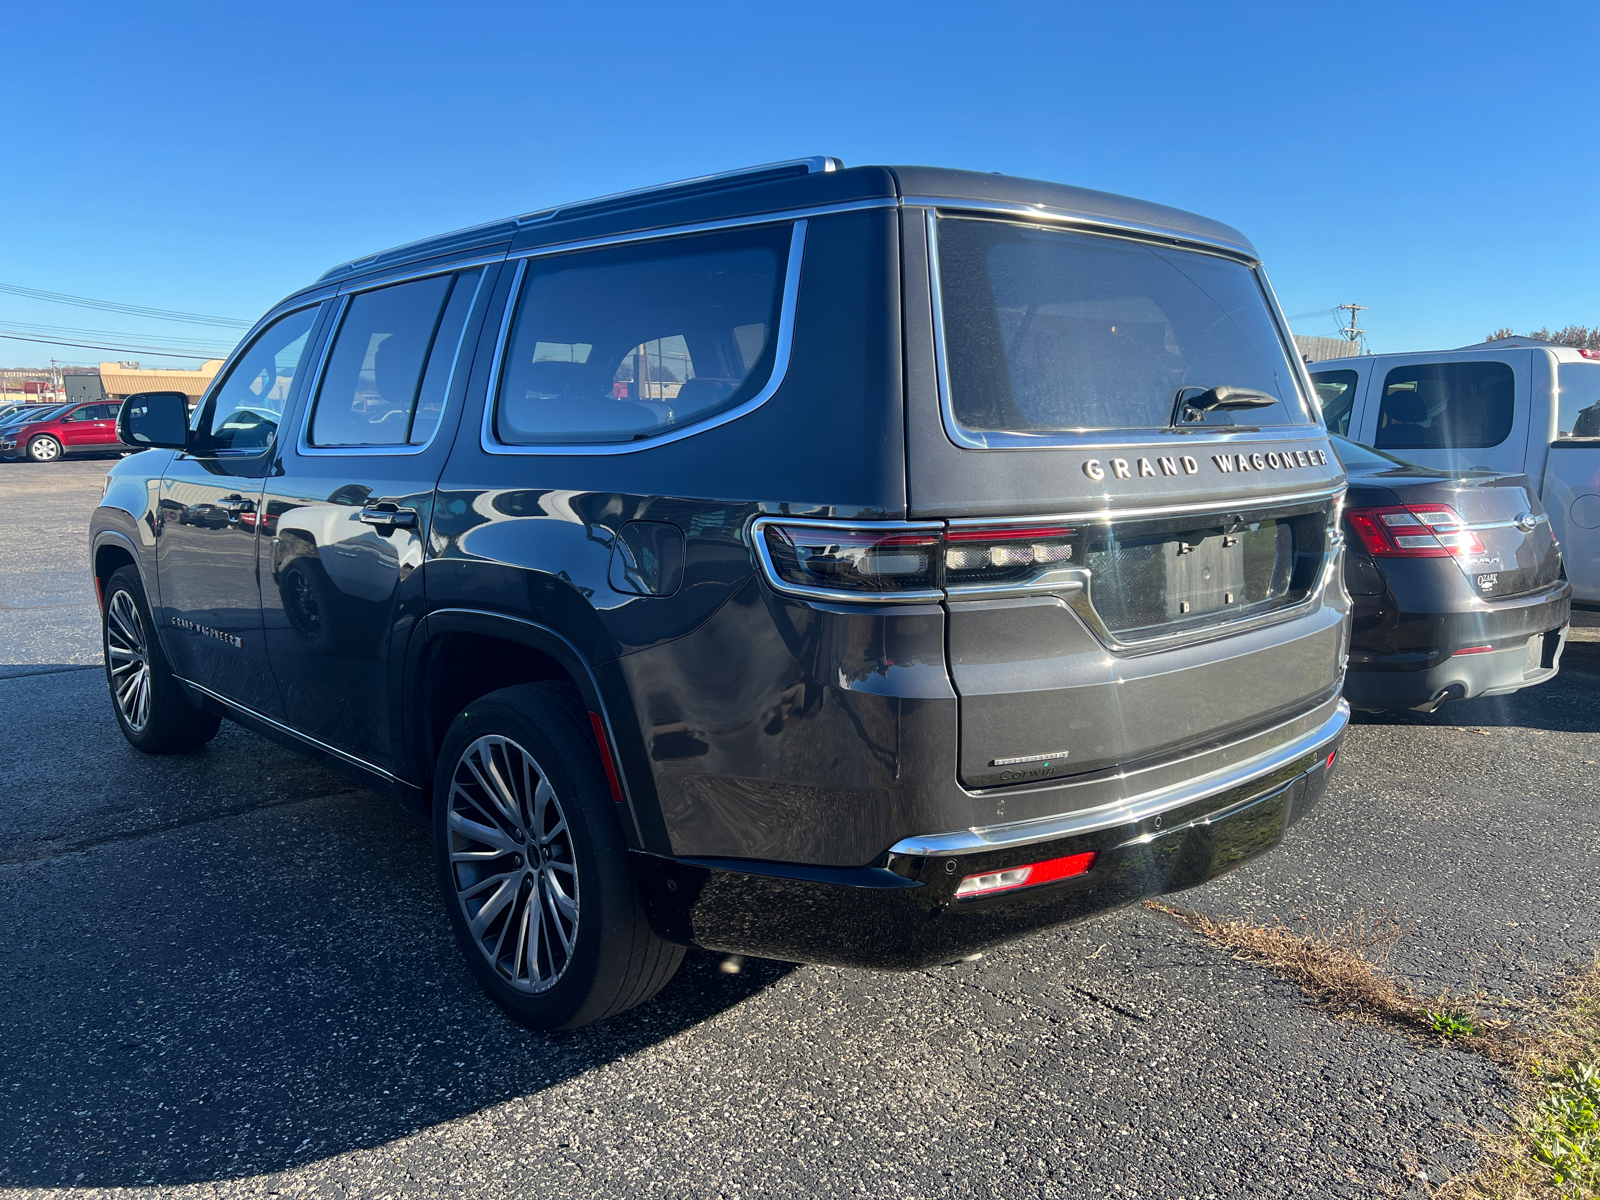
<point>1578,414</point>
<point>374,391</point>
<point>617,345</point>
<point>1049,331</point>
<point>1437,406</point>
<point>1336,392</point>
<point>243,414</point>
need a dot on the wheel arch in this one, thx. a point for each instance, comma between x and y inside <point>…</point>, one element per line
<point>110,552</point>
<point>458,655</point>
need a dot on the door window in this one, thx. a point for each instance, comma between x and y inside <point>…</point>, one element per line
<point>390,364</point>
<point>1442,406</point>
<point>242,415</point>
<point>82,414</point>
<point>619,345</point>
<point>1578,415</point>
<point>1336,392</point>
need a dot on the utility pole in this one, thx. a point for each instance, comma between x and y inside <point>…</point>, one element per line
<point>1352,332</point>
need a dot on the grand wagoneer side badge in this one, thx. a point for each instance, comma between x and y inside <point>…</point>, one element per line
<point>1227,464</point>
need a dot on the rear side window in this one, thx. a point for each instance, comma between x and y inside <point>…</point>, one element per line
<point>1048,331</point>
<point>243,414</point>
<point>1578,414</point>
<point>390,364</point>
<point>1441,406</point>
<point>622,344</point>
<point>1336,392</point>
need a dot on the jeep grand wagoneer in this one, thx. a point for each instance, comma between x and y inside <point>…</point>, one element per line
<point>856,566</point>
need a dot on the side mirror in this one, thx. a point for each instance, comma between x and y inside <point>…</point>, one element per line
<point>154,421</point>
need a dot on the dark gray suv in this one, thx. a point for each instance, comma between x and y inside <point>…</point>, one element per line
<point>852,566</point>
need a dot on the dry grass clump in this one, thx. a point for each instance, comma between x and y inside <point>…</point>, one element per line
<point>1335,966</point>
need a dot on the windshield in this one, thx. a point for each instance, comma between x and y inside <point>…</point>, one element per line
<point>1048,331</point>
<point>29,414</point>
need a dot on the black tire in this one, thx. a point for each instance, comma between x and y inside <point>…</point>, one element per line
<point>310,601</point>
<point>44,448</point>
<point>155,716</point>
<point>536,734</point>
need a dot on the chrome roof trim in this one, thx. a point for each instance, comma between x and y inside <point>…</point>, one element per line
<point>1130,809</point>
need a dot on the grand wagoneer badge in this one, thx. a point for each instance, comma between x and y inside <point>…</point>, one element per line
<point>1184,464</point>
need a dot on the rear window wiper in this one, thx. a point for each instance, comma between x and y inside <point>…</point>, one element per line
<point>1193,403</point>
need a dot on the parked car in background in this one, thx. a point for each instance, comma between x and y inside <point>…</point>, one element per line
<point>73,429</point>
<point>977,577</point>
<point>1513,409</point>
<point>21,414</point>
<point>1456,582</point>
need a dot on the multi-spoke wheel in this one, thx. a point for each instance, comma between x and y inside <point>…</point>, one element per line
<point>534,866</point>
<point>128,660</point>
<point>44,448</point>
<point>151,708</point>
<point>516,875</point>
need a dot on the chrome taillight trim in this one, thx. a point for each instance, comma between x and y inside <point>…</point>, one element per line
<point>754,535</point>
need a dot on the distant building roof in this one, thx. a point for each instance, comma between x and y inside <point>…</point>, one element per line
<point>1319,349</point>
<point>126,380</point>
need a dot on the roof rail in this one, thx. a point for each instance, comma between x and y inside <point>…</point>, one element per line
<point>683,187</point>
<point>687,187</point>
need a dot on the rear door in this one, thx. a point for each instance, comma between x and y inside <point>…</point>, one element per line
<point>348,505</point>
<point>1572,476</point>
<point>1464,412</point>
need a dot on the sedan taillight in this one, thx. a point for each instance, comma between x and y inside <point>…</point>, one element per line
<point>1413,531</point>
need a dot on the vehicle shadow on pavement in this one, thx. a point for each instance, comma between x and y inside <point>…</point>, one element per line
<point>247,994</point>
<point>1563,705</point>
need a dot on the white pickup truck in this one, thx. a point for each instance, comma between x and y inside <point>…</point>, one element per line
<point>1513,406</point>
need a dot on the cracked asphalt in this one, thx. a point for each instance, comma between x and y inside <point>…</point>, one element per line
<point>227,974</point>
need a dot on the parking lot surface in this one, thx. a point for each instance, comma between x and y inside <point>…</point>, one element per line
<point>228,973</point>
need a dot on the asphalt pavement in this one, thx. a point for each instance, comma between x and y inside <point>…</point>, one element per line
<point>227,973</point>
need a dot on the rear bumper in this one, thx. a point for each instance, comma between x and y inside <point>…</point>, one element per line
<point>1525,638</point>
<point>904,912</point>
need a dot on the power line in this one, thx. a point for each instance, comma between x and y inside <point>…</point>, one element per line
<point>162,351</point>
<point>137,310</point>
<point>221,348</point>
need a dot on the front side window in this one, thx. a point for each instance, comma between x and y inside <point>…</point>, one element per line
<point>1578,413</point>
<point>1443,406</point>
<point>242,415</point>
<point>622,344</point>
<point>1336,392</point>
<point>1054,332</point>
<point>390,363</point>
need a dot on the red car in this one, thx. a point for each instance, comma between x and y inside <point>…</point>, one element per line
<point>89,428</point>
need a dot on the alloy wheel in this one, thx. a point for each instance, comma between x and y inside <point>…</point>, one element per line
<point>513,863</point>
<point>129,655</point>
<point>43,449</point>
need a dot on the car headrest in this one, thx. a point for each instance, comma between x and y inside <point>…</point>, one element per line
<point>1407,407</point>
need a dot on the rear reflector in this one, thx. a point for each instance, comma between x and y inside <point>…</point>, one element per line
<point>1332,754</point>
<point>1031,875</point>
<point>1473,650</point>
<point>604,744</point>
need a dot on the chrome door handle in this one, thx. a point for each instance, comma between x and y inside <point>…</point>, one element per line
<point>389,518</point>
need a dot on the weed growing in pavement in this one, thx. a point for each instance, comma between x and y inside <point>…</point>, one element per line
<point>1552,1151</point>
<point>1335,967</point>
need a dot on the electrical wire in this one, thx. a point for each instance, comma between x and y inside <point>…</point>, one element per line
<point>137,310</point>
<point>212,346</point>
<point>162,351</point>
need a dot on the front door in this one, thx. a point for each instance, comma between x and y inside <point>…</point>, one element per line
<point>84,429</point>
<point>206,527</point>
<point>347,507</point>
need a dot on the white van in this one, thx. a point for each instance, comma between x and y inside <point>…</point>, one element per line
<point>1511,406</point>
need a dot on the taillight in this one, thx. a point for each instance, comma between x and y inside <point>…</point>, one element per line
<point>990,556</point>
<point>910,561</point>
<point>1031,875</point>
<point>1413,531</point>
<point>899,565</point>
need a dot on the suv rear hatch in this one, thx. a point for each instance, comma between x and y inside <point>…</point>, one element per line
<point>1137,400</point>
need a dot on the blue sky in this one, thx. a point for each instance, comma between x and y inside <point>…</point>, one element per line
<point>1438,163</point>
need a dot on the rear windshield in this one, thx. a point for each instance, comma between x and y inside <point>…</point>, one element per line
<point>1055,332</point>
<point>1579,410</point>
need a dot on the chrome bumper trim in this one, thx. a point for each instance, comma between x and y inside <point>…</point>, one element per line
<point>1127,811</point>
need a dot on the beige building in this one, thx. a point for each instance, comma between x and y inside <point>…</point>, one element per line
<point>125,379</point>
